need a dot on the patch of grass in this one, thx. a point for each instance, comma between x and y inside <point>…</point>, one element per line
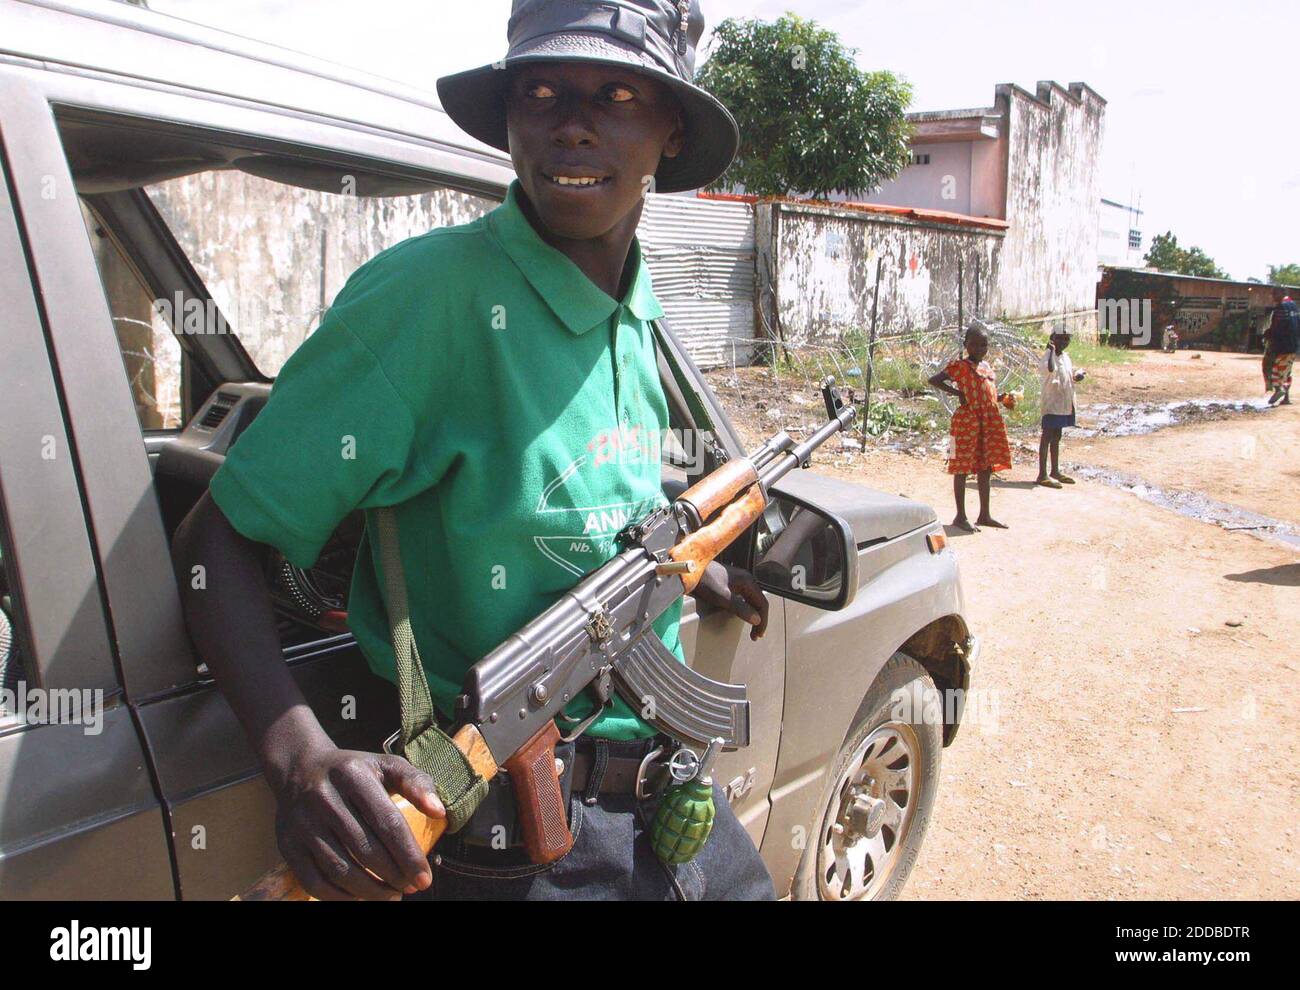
<point>895,370</point>
<point>885,417</point>
<point>1083,353</point>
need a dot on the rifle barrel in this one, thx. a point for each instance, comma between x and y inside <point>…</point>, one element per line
<point>778,466</point>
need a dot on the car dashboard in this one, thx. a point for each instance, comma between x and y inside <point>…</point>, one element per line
<point>311,602</point>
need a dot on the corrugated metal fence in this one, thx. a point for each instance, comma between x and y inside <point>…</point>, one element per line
<point>701,257</point>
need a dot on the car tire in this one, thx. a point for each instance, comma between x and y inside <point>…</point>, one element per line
<point>882,790</point>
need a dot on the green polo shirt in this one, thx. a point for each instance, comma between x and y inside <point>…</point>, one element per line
<point>477,380</point>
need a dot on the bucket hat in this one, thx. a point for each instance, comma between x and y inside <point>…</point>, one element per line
<point>657,38</point>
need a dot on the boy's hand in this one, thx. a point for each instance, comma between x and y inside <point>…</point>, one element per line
<point>734,590</point>
<point>335,817</point>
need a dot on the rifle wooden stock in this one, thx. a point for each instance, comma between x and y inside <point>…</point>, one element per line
<point>702,546</point>
<point>280,884</point>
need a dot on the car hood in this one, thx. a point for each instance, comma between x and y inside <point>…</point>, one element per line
<point>873,515</point>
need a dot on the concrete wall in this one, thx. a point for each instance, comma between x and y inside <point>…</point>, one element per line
<point>823,269</point>
<point>1033,161</point>
<point>925,186</point>
<point>1053,147</point>
<point>988,183</point>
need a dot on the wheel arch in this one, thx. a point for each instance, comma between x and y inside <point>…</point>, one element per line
<point>942,648</point>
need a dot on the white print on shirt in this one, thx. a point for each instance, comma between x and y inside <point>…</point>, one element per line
<point>591,529</point>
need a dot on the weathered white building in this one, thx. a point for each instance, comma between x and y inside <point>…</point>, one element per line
<point>1033,160</point>
<point>997,215</point>
<point>1120,241</point>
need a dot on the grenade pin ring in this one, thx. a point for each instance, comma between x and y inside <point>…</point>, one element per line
<point>684,765</point>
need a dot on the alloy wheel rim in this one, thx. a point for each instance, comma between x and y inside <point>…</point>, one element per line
<point>871,814</point>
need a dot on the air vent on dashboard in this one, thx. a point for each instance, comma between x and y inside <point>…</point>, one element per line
<point>218,411</point>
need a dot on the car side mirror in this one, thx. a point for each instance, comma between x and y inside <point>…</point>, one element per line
<point>805,554</point>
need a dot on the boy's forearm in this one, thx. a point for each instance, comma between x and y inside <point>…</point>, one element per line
<point>232,624</point>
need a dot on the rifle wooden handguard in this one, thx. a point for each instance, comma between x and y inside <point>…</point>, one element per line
<point>702,546</point>
<point>280,884</point>
<point>719,489</point>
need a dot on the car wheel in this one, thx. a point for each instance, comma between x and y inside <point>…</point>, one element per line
<point>872,819</point>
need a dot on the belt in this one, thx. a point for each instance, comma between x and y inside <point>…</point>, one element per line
<point>592,767</point>
<point>619,776</point>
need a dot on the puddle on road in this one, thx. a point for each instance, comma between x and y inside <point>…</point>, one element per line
<point>1119,420</point>
<point>1196,506</point>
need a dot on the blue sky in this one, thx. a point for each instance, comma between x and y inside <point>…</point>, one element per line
<point>1198,91</point>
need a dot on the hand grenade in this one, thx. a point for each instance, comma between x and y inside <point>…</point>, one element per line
<point>685,816</point>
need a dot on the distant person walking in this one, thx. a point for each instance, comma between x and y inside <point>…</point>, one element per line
<point>1281,341</point>
<point>978,442</point>
<point>1059,378</point>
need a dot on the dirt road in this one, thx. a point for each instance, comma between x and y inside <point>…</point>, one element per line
<point>1144,666</point>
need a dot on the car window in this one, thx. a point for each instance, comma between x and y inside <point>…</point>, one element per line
<point>274,255</point>
<point>151,354</point>
<point>196,233</point>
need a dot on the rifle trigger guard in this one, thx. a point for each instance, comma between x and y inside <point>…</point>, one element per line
<point>603,688</point>
<point>583,726</point>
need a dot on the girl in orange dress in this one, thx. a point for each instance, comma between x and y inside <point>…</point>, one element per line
<point>979,437</point>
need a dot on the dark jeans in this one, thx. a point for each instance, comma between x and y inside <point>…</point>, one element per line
<point>611,860</point>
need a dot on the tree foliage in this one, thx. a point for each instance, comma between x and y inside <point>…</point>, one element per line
<point>1284,274</point>
<point>810,120</point>
<point>1166,256</point>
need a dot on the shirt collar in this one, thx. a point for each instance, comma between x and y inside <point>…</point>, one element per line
<point>578,303</point>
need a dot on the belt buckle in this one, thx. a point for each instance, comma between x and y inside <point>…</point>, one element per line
<point>641,793</point>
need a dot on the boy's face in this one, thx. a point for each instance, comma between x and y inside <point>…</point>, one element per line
<point>1060,341</point>
<point>575,120</point>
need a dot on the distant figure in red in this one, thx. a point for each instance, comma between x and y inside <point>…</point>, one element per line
<point>1281,341</point>
<point>978,444</point>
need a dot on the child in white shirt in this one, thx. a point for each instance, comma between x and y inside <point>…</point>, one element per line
<point>1059,377</point>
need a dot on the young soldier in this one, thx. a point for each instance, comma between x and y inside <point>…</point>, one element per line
<point>479,372</point>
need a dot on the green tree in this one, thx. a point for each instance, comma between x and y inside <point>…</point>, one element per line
<point>1284,274</point>
<point>1166,256</point>
<point>810,120</point>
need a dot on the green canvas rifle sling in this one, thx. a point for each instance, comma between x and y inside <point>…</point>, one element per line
<point>426,746</point>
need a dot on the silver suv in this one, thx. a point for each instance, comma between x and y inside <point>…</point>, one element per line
<point>177,206</point>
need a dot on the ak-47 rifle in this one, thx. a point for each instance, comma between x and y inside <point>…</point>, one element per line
<point>598,638</point>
